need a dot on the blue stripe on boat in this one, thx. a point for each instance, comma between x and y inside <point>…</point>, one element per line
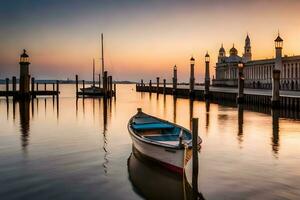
<point>151,126</point>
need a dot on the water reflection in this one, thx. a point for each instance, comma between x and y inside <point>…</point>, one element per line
<point>174,109</point>
<point>275,125</point>
<point>240,123</point>
<point>191,108</point>
<point>105,140</point>
<point>207,107</point>
<point>165,106</point>
<point>24,123</point>
<point>152,181</point>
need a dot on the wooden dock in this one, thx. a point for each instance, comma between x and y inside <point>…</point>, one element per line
<point>288,99</point>
<point>37,89</point>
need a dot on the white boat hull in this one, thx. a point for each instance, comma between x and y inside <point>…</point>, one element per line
<point>171,158</point>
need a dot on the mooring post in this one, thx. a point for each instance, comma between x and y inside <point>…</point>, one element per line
<point>76,82</point>
<point>174,80</point>
<point>45,86</point>
<point>115,89</point>
<point>195,157</point>
<point>150,86</point>
<point>32,87</point>
<point>192,77</point>
<point>7,86</point>
<point>37,86</point>
<point>157,85</point>
<point>240,96</point>
<point>14,84</point>
<point>276,72</point>
<point>53,90</point>
<point>57,87</point>
<point>207,76</point>
<point>142,83</point>
<point>83,88</point>
<point>164,90</point>
<point>110,85</point>
<point>99,80</point>
<point>105,83</point>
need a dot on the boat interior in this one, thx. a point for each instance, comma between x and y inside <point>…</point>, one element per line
<point>159,131</point>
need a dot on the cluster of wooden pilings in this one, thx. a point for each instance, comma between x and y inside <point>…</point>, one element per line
<point>108,89</point>
<point>37,89</point>
<point>286,102</point>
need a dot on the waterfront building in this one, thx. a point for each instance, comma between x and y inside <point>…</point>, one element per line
<point>258,73</point>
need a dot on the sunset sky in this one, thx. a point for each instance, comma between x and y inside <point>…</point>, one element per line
<point>143,38</point>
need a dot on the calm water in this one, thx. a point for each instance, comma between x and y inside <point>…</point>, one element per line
<point>82,150</point>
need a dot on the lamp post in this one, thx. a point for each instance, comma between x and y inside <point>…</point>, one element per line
<point>192,77</point>
<point>276,72</point>
<point>240,97</point>
<point>24,75</point>
<point>207,78</point>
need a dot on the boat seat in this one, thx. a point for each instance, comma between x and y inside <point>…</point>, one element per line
<point>151,126</point>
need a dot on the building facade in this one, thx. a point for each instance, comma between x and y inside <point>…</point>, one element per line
<point>258,73</point>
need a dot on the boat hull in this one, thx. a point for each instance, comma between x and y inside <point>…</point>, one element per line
<point>171,158</point>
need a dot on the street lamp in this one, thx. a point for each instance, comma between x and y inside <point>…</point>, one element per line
<point>207,58</point>
<point>192,61</point>
<point>241,65</point>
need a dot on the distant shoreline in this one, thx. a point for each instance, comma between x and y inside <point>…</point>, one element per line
<point>2,81</point>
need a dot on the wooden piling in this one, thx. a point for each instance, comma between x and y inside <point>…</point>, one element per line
<point>195,156</point>
<point>53,89</point>
<point>45,86</point>
<point>174,80</point>
<point>150,86</point>
<point>7,86</point>
<point>109,86</point>
<point>164,91</point>
<point>115,89</point>
<point>142,82</point>
<point>57,87</point>
<point>76,81</point>
<point>37,86</point>
<point>157,85</point>
<point>240,96</point>
<point>14,83</point>
<point>105,83</point>
<point>83,88</point>
<point>32,87</point>
<point>99,80</point>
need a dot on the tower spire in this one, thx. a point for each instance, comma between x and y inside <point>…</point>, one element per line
<point>247,49</point>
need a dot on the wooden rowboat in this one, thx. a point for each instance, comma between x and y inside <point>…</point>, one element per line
<point>165,142</point>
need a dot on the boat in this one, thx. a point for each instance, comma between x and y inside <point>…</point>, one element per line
<point>167,143</point>
<point>93,89</point>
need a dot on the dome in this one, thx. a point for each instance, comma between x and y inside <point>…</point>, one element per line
<point>233,51</point>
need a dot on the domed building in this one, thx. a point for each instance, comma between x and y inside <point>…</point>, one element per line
<point>257,73</point>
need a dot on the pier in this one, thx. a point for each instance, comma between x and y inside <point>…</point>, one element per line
<point>288,99</point>
<point>27,87</point>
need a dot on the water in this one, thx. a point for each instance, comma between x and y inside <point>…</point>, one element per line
<point>82,150</point>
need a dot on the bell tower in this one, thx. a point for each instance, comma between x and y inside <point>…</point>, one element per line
<point>222,54</point>
<point>247,49</point>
